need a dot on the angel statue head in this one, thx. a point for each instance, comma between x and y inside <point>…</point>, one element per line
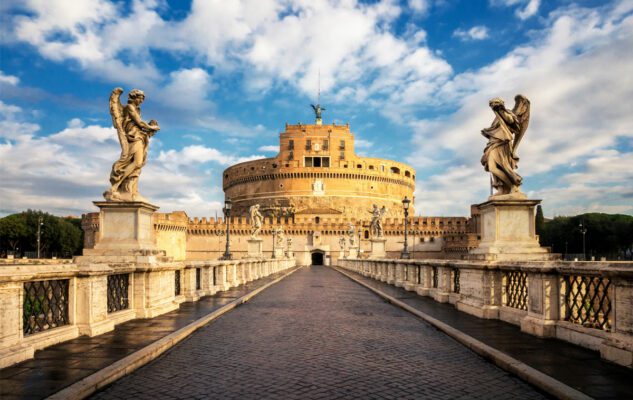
<point>504,135</point>
<point>136,96</point>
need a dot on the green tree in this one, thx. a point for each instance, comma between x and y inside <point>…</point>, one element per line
<point>608,235</point>
<point>13,231</point>
<point>61,236</point>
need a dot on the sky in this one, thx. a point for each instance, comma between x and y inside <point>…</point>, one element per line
<point>413,79</point>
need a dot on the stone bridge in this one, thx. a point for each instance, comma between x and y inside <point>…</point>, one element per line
<point>448,329</point>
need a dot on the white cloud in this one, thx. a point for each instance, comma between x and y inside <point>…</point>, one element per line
<point>187,89</point>
<point>419,6</point>
<point>9,79</point>
<point>363,144</point>
<point>269,149</point>
<point>576,107</point>
<point>198,154</point>
<point>529,7</point>
<point>479,32</point>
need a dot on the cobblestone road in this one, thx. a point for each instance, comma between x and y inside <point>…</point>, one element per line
<point>318,335</point>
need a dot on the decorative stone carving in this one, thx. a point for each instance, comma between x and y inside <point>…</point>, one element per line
<point>341,242</point>
<point>256,220</point>
<point>504,135</point>
<point>351,233</point>
<point>134,135</point>
<point>376,221</point>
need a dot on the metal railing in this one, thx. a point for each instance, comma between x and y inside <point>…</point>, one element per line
<point>516,289</point>
<point>118,286</point>
<point>45,305</point>
<point>587,300</point>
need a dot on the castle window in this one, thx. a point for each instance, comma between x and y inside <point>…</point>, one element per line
<point>342,156</point>
<point>317,220</point>
<point>291,145</point>
<point>342,145</point>
<point>316,162</point>
<point>274,165</point>
<point>359,166</point>
<point>395,170</point>
<point>371,167</point>
<point>226,176</point>
<point>382,168</point>
<point>291,155</point>
<point>407,174</point>
<point>308,144</point>
<point>326,144</point>
<point>366,235</point>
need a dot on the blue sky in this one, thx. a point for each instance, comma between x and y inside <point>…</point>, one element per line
<point>413,79</point>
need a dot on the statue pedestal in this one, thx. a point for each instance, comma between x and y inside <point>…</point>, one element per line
<point>255,248</point>
<point>352,252</point>
<point>508,230</point>
<point>125,228</point>
<point>278,252</point>
<point>378,248</point>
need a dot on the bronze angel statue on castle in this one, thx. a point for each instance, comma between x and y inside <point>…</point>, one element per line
<point>504,135</point>
<point>134,134</point>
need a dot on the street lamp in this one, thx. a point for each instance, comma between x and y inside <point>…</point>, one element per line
<point>274,240</point>
<point>405,251</point>
<point>227,216</point>
<point>583,230</point>
<point>40,222</point>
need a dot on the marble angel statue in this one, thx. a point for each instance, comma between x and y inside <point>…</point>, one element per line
<point>134,135</point>
<point>504,135</point>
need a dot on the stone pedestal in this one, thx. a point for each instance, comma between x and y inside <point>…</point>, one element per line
<point>125,228</point>
<point>378,248</point>
<point>352,252</point>
<point>278,252</point>
<point>255,248</point>
<point>508,231</point>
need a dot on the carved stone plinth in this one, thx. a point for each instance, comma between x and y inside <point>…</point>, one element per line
<point>378,248</point>
<point>125,228</point>
<point>278,252</point>
<point>255,248</point>
<point>352,252</point>
<point>508,231</point>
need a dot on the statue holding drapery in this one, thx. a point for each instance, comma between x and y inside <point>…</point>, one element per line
<point>134,135</point>
<point>504,135</point>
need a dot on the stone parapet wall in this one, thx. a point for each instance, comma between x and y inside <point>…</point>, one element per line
<point>586,303</point>
<point>45,304</point>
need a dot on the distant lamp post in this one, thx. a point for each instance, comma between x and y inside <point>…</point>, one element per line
<point>405,251</point>
<point>40,222</point>
<point>583,230</point>
<point>274,240</point>
<point>227,216</point>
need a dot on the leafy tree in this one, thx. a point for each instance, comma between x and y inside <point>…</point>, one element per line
<point>13,231</point>
<point>62,236</point>
<point>608,235</point>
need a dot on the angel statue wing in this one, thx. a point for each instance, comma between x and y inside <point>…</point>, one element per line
<point>522,111</point>
<point>116,111</point>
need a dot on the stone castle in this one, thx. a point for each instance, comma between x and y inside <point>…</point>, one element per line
<point>316,189</point>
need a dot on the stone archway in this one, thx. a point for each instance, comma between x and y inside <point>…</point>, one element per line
<point>317,257</point>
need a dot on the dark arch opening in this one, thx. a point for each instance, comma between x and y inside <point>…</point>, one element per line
<point>317,257</point>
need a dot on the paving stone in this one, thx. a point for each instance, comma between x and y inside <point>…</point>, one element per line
<point>318,335</point>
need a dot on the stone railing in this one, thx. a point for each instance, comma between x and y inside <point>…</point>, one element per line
<point>41,305</point>
<point>589,303</point>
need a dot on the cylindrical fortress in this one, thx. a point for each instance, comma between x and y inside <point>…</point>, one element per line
<point>317,173</point>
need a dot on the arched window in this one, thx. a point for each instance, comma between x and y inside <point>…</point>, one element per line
<point>407,174</point>
<point>395,170</point>
<point>317,220</point>
<point>366,235</point>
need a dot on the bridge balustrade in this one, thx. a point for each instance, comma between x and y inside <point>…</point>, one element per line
<point>586,303</point>
<point>44,304</point>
